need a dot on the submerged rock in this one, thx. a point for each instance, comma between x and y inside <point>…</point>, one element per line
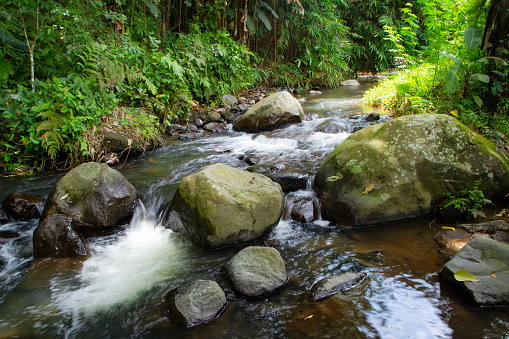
<point>335,284</point>
<point>330,127</point>
<point>23,206</point>
<point>57,236</point>
<point>257,271</point>
<point>273,112</point>
<point>93,195</point>
<point>222,205</point>
<point>196,302</point>
<point>487,261</point>
<point>400,168</point>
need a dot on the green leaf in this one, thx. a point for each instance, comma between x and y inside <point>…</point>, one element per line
<point>452,78</point>
<point>478,100</point>
<point>463,275</point>
<point>404,88</point>
<point>264,4</point>
<point>264,19</point>
<point>152,7</point>
<point>334,178</point>
<point>472,38</point>
<point>481,77</point>
<point>493,60</point>
<point>229,12</point>
<point>250,24</point>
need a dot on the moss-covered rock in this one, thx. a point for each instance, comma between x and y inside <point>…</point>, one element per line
<point>399,169</point>
<point>222,205</point>
<point>93,195</point>
<point>273,112</point>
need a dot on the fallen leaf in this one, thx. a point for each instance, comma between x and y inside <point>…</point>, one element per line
<point>253,180</point>
<point>64,196</point>
<point>494,275</point>
<point>463,275</point>
<point>368,189</point>
<point>335,177</point>
<point>151,160</point>
<point>448,228</point>
<point>308,317</point>
<point>454,112</point>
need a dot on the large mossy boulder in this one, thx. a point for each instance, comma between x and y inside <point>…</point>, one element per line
<point>273,112</point>
<point>257,271</point>
<point>400,168</point>
<point>481,268</point>
<point>222,205</point>
<point>93,195</point>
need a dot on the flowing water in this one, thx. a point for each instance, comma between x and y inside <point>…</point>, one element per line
<point>118,292</point>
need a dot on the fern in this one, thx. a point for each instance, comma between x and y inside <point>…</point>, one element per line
<point>6,70</point>
<point>134,75</point>
<point>52,139</point>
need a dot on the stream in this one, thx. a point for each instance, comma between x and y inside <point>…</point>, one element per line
<point>118,292</point>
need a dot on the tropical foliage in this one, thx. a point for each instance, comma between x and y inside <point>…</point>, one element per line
<point>455,74</point>
<point>68,65</point>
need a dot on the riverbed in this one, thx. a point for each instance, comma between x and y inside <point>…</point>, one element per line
<point>118,292</point>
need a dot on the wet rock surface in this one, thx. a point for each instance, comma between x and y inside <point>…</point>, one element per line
<point>300,208</point>
<point>215,127</point>
<point>222,205</point>
<point>196,302</point>
<point>335,284</point>
<point>22,206</point>
<point>4,217</point>
<point>257,271</point>
<point>488,261</point>
<point>57,236</point>
<point>460,235</point>
<point>93,195</point>
<point>290,181</point>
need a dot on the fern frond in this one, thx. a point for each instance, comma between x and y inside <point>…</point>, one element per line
<point>6,70</point>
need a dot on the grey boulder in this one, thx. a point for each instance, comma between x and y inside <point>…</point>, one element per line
<point>257,271</point>
<point>196,302</point>
<point>487,260</point>
<point>275,111</point>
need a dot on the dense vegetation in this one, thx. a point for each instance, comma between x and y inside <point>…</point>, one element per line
<point>68,66</point>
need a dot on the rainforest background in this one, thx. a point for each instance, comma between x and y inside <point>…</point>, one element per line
<point>68,67</point>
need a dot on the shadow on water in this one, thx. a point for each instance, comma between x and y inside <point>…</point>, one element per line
<point>118,291</point>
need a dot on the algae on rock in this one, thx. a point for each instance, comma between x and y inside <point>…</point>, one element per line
<point>222,205</point>
<point>399,169</point>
